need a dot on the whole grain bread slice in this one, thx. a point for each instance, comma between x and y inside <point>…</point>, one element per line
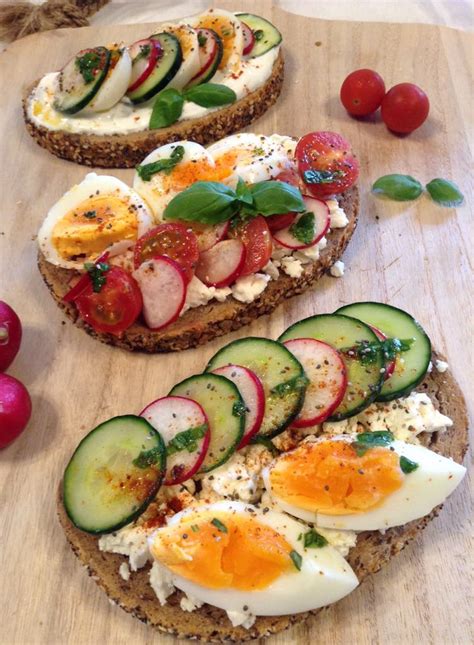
<point>128,150</point>
<point>372,552</point>
<point>201,324</point>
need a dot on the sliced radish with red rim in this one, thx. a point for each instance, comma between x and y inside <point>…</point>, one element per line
<point>252,392</point>
<point>249,39</point>
<point>221,265</point>
<point>327,376</point>
<point>208,235</point>
<point>184,427</point>
<point>322,222</point>
<point>144,54</point>
<point>163,287</point>
<point>390,366</point>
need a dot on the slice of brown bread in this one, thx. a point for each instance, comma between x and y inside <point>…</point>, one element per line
<point>373,550</point>
<point>128,150</point>
<point>201,324</point>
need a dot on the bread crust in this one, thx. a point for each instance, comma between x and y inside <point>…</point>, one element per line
<point>210,624</point>
<point>128,150</point>
<point>202,324</point>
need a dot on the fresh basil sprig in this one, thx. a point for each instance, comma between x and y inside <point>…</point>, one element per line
<point>146,171</point>
<point>401,188</point>
<point>303,228</point>
<point>210,95</point>
<point>275,197</point>
<point>444,192</point>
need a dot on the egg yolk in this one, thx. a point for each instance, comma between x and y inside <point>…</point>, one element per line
<point>186,173</point>
<point>94,225</point>
<point>329,477</point>
<point>225,29</point>
<point>223,550</point>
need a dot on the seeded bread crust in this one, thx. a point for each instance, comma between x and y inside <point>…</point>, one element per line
<point>202,324</point>
<point>209,624</point>
<point>128,150</point>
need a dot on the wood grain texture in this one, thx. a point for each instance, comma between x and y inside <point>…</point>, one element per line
<point>416,256</point>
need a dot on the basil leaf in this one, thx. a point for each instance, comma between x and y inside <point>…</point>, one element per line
<point>276,197</point>
<point>97,274</point>
<point>210,95</point>
<point>407,465</point>
<point>148,458</point>
<point>303,228</point>
<point>401,188</point>
<point>296,559</point>
<point>444,192</point>
<point>167,108</point>
<point>208,202</point>
<point>146,171</point>
<point>313,539</point>
<point>220,526</point>
<point>243,192</point>
<point>321,176</point>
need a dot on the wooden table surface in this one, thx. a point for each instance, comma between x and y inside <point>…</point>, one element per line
<point>413,255</point>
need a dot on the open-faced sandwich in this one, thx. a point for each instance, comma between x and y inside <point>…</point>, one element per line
<point>197,79</point>
<point>273,483</point>
<point>207,240</point>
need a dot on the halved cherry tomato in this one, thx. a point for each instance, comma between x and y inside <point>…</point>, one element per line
<point>289,177</point>
<point>174,240</point>
<point>84,281</point>
<point>257,239</point>
<point>277,222</point>
<point>115,307</point>
<point>362,92</point>
<point>404,108</point>
<point>326,163</point>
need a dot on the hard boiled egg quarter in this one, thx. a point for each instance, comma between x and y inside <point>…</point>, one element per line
<point>236,557</point>
<point>92,216</point>
<point>229,29</point>
<point>331,484</point>
<point>191,63</point>
<point>116,82</point>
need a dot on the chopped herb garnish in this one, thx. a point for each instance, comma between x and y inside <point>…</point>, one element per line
<point>90,214</point>
<point>321,176</point>
<point>146,171</point>
<point>97,274</point>
<point>366,440</point>
<point>88,64</point>
<point>238,409</point>
<point>194,528</point>
<point>219,525</point>
<point>296,383</point>
<point>143,53</point>
<point>297,559</point>
<point>186,440</point>
<point>314,540</point>
<point>303,228</point>
<point>367,353</point>
<point>258,34</point>
<point>202,39</point>
<point>148,458</point>
<point>407,465</point>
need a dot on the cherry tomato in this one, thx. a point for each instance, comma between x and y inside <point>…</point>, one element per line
<point>115,307</point>
<point>10,335</point>
<point>277,222</point>
<point>174,240</point>
<point>15,409</point>
<point>257,239</point>
<point>362,92</point>
<point>326,164</point>
<point>404,108</point>
<point>289,177</point>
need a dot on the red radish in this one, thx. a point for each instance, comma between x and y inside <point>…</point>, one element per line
<point>278,222</point>
<point>390,366</point>
<point>10,335</point>
<point>173,416</point>
<point>207,52</point>
<point>249,38</point>
<point>163,287</point>
<point>252,392</point>
<point>15,409</point>
<point>222,264</point>
<point>208,235</point>
<point>322,222</point>
<point>83,282</point>
<point>327,376</point>
<point>144,54</point>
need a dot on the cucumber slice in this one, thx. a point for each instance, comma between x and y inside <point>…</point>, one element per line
<point>211,51</point>
<point>281,374</point>
<point>412,365</point>
<point>364,380</point>
<point>266,35</point>
<point>81,78</point>
<point>104,487</point>
<point>166,68</point>
<point>225,409</point>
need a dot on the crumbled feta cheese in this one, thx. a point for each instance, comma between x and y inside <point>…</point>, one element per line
<point>249,287</point>
<point>161,581</point>
<point>271,269</point>
<point>405,418</point>
<point>280,252</point>
<point>124,571</point>
<point>337,269</point>
<point>441,366</point>
<point>199,294</point>
<point>342,541</point>
<point>241,618</point>
<point>235,479</point>
<point>131,541</point>
<point>430,367</point>
<point>292,267</point>
<point>311,254</point>
<point>190,603</point>
<point>337,214</point>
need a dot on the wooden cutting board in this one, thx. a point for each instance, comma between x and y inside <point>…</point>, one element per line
<point>413,255</point>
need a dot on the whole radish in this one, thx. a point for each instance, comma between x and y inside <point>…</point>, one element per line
<point>15,409</point>
<point>10,335</point>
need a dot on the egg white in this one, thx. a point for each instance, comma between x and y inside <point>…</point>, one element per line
<point>73,198</point>
<point>429,485</point>
<point>191,63</point>
<point>235,57</point>
<point>154,192</point>
<point>325,576</point>
<point>114,86</point>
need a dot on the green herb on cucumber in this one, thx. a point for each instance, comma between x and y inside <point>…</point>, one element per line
<point>294,384</point>
<point>97,274</point>
<point>367,440</point>
<point>88,65</point>
<point>220,526</point>
<point>146,171</point>
<point>239,409</point>
<point>303,228</point>
<point>314,540</point>
<point>444,192</point>
<point>407,465</point>
<point>367,353</point>
<point>147,458</point>
<point>186,440</point>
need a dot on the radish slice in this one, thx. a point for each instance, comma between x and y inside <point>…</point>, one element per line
<point>207,52</point>
<point>249,38</point>
<point>389,367</point>
<point>207,235</point>
<point>163,288</point>
<point>252,392</point>
<point>184,426</point>
<point>321,225</point>
<point>327,376</point>
<point>144,54</point>
<point>222,264</point>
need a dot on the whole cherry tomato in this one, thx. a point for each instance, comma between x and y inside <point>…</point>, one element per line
<point>404,108</point>
<point>362,92</point>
